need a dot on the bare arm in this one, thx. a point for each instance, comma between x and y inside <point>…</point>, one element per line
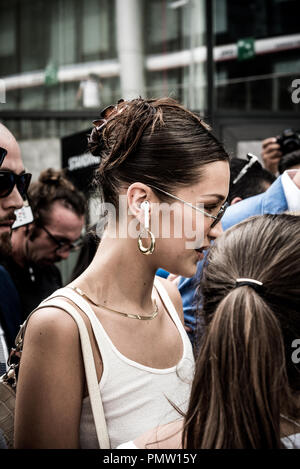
<point>50,385</point>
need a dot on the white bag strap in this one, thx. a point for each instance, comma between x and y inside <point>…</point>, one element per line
<point>168,302</point>
<point>90,370</point>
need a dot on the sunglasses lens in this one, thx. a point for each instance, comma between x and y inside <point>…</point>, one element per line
<point>3,154</point>
<point>7,182</point>
<point>23,184</point>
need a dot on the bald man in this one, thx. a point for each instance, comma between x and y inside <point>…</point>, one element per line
<point>10,200</point>
<point>12,162</point>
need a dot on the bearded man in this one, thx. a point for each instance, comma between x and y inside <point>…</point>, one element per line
<point>14,182</point>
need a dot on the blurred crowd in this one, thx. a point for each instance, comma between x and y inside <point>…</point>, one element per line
<point>230,308</point>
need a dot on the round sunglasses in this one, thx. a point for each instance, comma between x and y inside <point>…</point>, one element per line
<point>8,180</point>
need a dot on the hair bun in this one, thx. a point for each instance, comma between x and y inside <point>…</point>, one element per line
<point>50,176</point>
<point>53,177</point>
<point>96,142</point>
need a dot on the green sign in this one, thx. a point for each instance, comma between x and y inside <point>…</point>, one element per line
<point>51,75</point>
<point>246,48</point>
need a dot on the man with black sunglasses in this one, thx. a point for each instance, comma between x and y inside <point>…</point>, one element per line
<point>14,183</point>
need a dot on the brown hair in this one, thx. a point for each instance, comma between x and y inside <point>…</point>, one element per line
<point>245,375</point>
<point>156,142</point>
<point>53,186</point>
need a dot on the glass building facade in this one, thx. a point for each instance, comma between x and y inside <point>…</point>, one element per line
<point>262,82</point>
<point>50,50</point>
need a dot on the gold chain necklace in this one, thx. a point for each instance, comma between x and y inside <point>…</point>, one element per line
<point>131,316</point>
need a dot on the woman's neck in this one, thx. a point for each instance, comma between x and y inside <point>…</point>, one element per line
<point>118,268</point>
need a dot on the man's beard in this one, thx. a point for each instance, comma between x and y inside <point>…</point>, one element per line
<point>5,238</point>
<point>5,244</point>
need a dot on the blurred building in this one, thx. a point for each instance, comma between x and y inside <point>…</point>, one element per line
<point>58,58</point>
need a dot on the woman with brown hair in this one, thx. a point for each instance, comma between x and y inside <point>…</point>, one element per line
<point>246,389</point>
<point>152,153</point>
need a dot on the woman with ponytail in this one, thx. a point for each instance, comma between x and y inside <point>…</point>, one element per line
<point>246,389</point>
<point>152,153</point>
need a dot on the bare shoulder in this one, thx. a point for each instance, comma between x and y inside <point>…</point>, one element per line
<point>163,437</point>
<point>174,295</point>
<point>50,324</point>
<point>53,329</point>
<point>50,383</point>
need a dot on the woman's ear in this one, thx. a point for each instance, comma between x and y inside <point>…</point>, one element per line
<point>139,201</point>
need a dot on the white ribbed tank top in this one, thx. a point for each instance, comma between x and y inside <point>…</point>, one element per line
<point>134,396</point>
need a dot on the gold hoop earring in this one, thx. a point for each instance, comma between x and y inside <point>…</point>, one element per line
<point>150,249</point>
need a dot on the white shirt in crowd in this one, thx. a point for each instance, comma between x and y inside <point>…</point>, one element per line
<point>291,191</point>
